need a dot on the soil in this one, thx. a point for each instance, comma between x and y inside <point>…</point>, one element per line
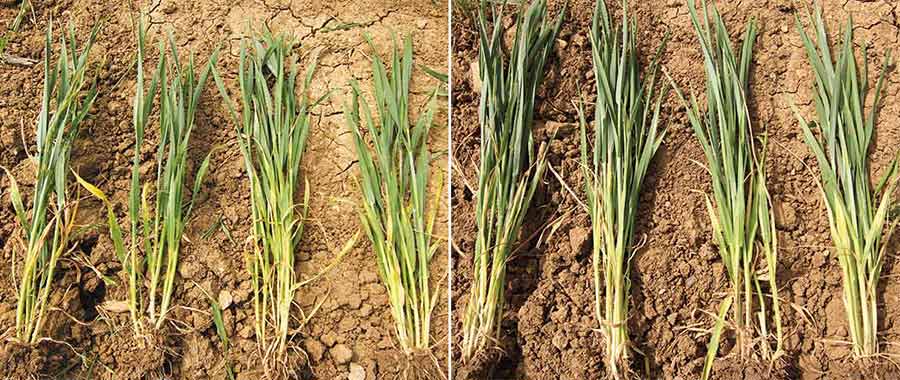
<point>677,276</point>
<point>351,334</point>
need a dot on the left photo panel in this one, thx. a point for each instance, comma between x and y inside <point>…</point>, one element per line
<point>224,190</point>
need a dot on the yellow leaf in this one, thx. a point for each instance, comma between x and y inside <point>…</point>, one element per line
<point>91,188</point>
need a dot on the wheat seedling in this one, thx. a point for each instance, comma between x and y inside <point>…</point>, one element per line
<point>272,130</point>
<point>511,168</point>
<point>739,211</point>
<point>626,136</point>
<point>63,106</point>
<point>395,211</point>
<point>859,218</point>
<point>157,227</point>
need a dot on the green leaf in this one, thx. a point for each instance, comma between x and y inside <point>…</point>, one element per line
<point>712,348</point>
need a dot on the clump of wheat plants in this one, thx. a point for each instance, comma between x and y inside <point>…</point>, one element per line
<point>157,210</point>
<point>48,226</point>
<point>511,168</point>
<point>272,134</point>
<point>739,211</point>
<point>626,136</point>
<point>858,215</point>
<point>396,211</point>
<point>272,130</point>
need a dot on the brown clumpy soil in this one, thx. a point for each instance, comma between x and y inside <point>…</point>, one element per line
<point>352,332</point>
<point>677,275</point>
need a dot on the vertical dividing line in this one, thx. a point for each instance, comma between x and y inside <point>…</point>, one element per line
<point>449,189</point>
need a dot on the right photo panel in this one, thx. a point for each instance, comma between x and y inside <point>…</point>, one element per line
<point>674,189</point>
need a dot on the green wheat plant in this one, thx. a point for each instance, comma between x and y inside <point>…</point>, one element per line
<point>272,130</point>
<point>626,136</point>
<point>64,104</point>
<point>858,215</point>
<point>215,310</point>
<point>222,333</point>
<point>511,168</point>
<point>394,177</point>
<point>274,125</point>
<point>157,210</point>
<point>740,208</point>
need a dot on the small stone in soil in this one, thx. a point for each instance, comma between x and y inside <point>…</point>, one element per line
<point>225,299</point>
<point>314,348</point>
<point>341,354</point>
<point>365,311</point>
<point>188,269</point>
<point>329,339</point>
<point>560,342</point>
<point>246,332</point>
<point>115,306</point>
<point>357,372</point>
<point>346,324</point>
<point>475,76</point>
<point>170,8</point>
<point>577,237</point>
<point>114,107</point>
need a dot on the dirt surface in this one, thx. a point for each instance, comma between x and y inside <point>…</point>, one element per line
<point>351,334</point>
<point>677,275</point>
